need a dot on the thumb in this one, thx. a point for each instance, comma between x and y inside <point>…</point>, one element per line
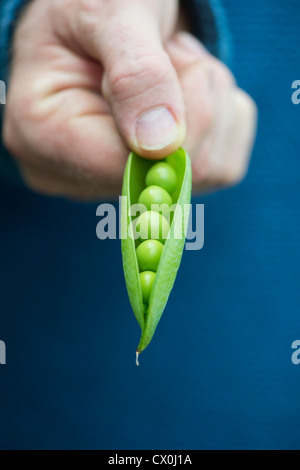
<point>139,81</point>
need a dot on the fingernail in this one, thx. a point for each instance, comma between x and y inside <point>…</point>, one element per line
<point>156,129</point>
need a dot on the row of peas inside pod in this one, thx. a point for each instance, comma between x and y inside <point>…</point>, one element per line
<point>153,225</point>
<point>151,252</point>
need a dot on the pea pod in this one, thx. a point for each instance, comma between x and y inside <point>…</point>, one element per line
<point>149,292</point>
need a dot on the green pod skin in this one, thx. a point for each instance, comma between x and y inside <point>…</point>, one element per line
<point>148,315</point>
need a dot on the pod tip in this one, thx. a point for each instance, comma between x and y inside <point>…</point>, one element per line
<point>137,358</point>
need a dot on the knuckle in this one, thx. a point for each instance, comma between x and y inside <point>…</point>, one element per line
<point>7,136</point>
<point>234,175</point>
<point>199,105</point>
<point>11,140</point>
<point>89,6</point>
<point>23,108</point>
<point>27,110</point>
<point>223,74</point>
<point>19,112</point>
<point>86,11</point>
<point>202,162</point>
<point>207,120</point>
<point>128,79</point>
<point>245,105</point>
<point>33,183</point>
<point>67,4</point>
<point>39,185</point>
<point>85,17</point>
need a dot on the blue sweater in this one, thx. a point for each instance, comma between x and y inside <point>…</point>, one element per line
<point>218,374</point>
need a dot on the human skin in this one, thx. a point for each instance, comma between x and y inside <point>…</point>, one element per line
<point>84,75</point>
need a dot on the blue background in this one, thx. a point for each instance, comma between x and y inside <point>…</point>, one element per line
<point>218,374</point>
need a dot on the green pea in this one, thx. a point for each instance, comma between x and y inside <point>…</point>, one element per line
<point>162,174</point>
<point>148,298</point>
<point>147,280</point>
<point>148,255</point>
<point>152,225</point>
<point>154,195</point>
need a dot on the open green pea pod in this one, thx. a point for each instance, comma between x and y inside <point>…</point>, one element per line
<point>141,173</point>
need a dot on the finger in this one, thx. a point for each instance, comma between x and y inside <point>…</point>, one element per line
<point>206,84</point>
<point>184,50</point>
<point>67,133</point>
<point>46,182</point>
<point>53,183</point>
<point>227,150</point>
<point>240,138</point>
<point>139,81</point>
<point>220,149</point>
<point>190,60</point>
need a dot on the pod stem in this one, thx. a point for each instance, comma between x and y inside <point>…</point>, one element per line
<point>137,358</point>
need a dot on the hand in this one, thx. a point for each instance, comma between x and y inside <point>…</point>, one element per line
<point>92,78</point>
